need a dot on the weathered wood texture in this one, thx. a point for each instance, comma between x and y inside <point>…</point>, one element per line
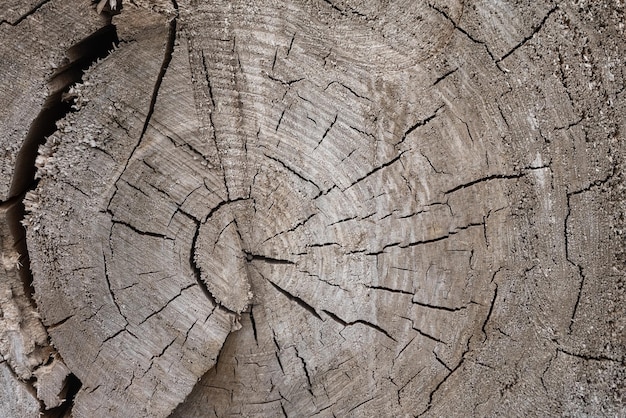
<point>36,52</point>
<point>16,400</point>
<point>333,208</point>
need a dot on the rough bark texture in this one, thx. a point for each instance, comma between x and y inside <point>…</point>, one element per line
<point>315,208</point>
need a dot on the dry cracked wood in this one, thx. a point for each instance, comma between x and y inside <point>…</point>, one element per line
<point>38,62</point>
<point>337,208</point>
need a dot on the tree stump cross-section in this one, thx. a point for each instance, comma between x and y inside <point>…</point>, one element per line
<point>335,208</point>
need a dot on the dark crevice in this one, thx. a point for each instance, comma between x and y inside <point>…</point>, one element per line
<point>274,60</point>
<point>132,186</point>
<point>429,336</point>
<point>108,282</point>
<point>221,205</point>
<point>483,179</point>
<point>464,32</point>
<point>334,6</point>
<point>362,132</point>
<point>290,45</point>
<point>393,362</point>
<point>306,372</point>
<point>422,333</point>
<point>219,235</point>
<point>71,388</point>
<point>442,362</point>
<point>192,262</point>
<point>14,215</point>
<point>376,169</point>
<point>283,82</point>
<point>347,88</point>
<point>109,338</point>
<point>360,404</point>
<point>488,317</point>
<point>189,330</point>
<point>294,172</point>
<point>430,241</point>
<point>253,323</point>
<point>276,352</point>
<point>166,304</point>
<point>28,385</point>
<point>304,99</point>
<point>431,164</point>
<point>329,283</point>
<point>79,57</point>
<point>59,323</point>
<point>75,188</point>
<point>484,44</point>
<point>156,356</point>
<point>587,357</point>
<point>411,379</point>
<point>322,244</point>
<point>196,270</point>
<point>250,257</point>
<point>439,307</point>
<point>187,146</point>
<point>469,133</point>
<point>211,113</point>
<point>280,119</point>
<point>326,132</point>
<point>410,215</point>
<point>292,229</point>
<point>295,299</point>
<point>358,321</point>
<point>451,371</point>
<point>167,58</point>
<point>139,231</point>
<point>569,125</point>
<point>208,81</point>
<point>506,122</point>
<point>343,220</point>
<point>581,284</point>
<point>568,256</point>
<point>529,37</point>
<point>420,123</point>
<point>27,14</point>
<point>443,77</point>
<point>349,154</point>
<point>388,289</point>
<point>543,374</point>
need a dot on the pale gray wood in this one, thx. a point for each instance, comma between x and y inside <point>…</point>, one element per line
<point>16,400</point>
<point>23,339</point>
<point>317,208</point>
<point>109,324</point>
<point>32,49</point>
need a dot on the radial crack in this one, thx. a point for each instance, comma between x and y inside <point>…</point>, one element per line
<point>295,299</point>
<point>358,321</point>
<point>306,372</point>
<point>167,58</point>
<point>422,333</point>
<point>376,169</point>
<point>294,172</point>
<point>27,14</point>
<point>529,37</point>
<point>420,123</point>
<point>484,179</point>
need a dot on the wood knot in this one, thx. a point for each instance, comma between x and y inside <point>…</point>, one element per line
<point>219,256</point>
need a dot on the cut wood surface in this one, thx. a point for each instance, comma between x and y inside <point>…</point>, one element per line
<point>314,208</point>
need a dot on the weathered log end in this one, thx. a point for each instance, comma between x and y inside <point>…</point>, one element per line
<point>313,208</point>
